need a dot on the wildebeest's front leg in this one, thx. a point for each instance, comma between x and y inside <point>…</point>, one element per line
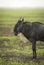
<point>34,49</point>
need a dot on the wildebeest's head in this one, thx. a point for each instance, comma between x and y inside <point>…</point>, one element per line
<point>17,28</point>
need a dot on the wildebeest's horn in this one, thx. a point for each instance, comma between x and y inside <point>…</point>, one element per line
<point>21,19</point>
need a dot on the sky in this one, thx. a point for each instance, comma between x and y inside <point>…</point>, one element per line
<point>21,3</point>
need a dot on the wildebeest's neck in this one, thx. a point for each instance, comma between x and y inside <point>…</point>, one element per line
<point>26,29</point>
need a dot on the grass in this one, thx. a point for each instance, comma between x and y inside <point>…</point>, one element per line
<point>18,50</point>
<point>13,15</point>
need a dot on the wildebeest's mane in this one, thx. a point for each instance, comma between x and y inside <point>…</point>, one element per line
<point>25,22</point>
<point>31,22</point>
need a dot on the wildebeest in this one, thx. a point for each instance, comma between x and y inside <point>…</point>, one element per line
<point>32,31</point>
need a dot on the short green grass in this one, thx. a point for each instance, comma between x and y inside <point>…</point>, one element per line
<point>13,15</point>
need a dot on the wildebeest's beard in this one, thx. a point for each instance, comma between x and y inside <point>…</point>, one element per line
<point>18,27</point>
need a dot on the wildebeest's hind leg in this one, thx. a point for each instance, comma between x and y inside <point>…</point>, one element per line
<point>34,49</point>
